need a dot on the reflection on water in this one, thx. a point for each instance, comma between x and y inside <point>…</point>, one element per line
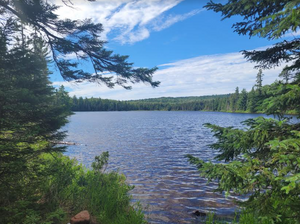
<point>149,148</point>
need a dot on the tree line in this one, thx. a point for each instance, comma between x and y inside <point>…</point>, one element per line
<point>239,101</point>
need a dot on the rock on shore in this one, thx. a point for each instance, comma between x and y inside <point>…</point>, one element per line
<point>81,218</point>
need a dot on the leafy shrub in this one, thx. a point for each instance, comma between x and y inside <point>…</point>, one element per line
<point>65,188</point>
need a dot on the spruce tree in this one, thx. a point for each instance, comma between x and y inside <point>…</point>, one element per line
<point>263,159</point>
<point>259,80</point>
<point>242,102</point>
<point>30,119</point>
<point>251,102</point>
<point>286,75</point>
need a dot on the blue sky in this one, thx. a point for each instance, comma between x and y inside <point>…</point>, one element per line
<point>196,53</point>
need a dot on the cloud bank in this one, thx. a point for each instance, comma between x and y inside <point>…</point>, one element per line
<point>126,21</point>
<point>204,75</point>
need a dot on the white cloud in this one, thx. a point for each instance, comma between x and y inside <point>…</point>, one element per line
<point>164,23</point>
<point>292,34</point>
<point>132,37</point>
<point>204,75</point>
<point>126,21</point>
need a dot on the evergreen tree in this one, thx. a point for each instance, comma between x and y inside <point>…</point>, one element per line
<point>242,103</point>
<point>263,160</point>
<point>37,183</point>
<point>259,81</point>
<point>251,102</point>
<point>286,74</point>
<point>62,98</point>
<point>29,122</point>
<point>234,99</point>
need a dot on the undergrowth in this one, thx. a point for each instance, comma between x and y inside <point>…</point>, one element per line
<point>60,188</point>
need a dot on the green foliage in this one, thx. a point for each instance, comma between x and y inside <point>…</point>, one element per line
<point>64,188</point>
<point>242,102</point>
<point>258,84</point>
<point>74,188</point>
<point>286,74</point>
<point>29,119</point>
<point>262,160</point>
<point>62,98</point>
<point>243,218</point>
<point>101,162</point>
<point>37,183</point>
<point>269,18</point>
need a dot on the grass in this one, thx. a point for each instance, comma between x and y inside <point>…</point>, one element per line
<point>59,188</point>
<point>245,218</point>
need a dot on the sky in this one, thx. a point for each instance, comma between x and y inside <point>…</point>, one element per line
<point>196,53</point>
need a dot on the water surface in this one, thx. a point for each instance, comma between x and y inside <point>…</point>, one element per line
<point>149,148</point>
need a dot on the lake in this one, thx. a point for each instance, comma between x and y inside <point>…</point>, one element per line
<point>149,148</point>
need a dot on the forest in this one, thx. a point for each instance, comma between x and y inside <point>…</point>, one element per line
<point>239,102</point>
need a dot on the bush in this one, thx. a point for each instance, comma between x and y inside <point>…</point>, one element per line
<point>65,188</point>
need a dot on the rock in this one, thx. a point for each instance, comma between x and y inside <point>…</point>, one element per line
<point>198,213</point>
<point>81,218</point>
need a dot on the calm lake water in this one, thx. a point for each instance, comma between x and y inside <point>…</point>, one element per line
<point>149,148</point>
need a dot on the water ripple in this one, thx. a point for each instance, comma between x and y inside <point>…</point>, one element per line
<point>149,148</point>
